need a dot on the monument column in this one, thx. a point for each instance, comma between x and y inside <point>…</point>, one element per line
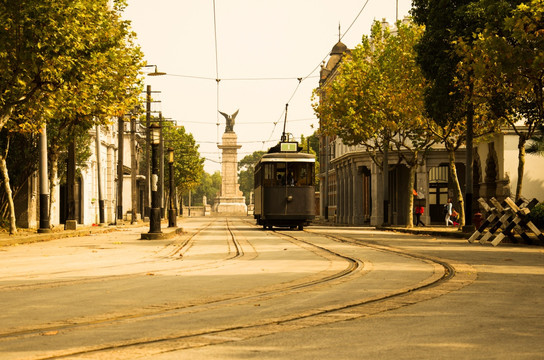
<point>231,201</point>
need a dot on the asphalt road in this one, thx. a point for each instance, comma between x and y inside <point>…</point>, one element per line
<point>226,289</point>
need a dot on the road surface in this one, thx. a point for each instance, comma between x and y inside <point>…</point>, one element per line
<point>226,289</point>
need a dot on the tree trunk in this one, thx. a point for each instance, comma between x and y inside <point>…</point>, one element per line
<point>385,179</point>
<point>410,192</point>
<point>457,187</point>
<point>7,188</point>
<point>521,165</point>
<point>4,118</point>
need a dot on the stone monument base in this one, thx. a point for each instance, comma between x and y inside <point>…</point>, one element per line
<point>230,205</point>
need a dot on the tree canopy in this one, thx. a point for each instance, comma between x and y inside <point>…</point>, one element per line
<point>47,46</point>
<point>188,165</point>
<point>376,98</point>
<point>506,61</point>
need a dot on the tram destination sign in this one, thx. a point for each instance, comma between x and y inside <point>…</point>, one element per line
<point>289,146</point>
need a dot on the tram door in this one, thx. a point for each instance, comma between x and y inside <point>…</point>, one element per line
<point>438,193</point>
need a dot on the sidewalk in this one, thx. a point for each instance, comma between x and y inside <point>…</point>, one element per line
<point>433,230</point>
<point>27,236</point>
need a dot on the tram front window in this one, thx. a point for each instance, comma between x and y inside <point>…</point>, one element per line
<point>288,174</point>
<point>299,174</point>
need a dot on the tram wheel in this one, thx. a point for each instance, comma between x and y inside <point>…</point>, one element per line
<point>301,227</point>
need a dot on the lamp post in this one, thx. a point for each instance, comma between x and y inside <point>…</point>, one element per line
<point>147,142</point>
<point>171,209</point>
<point>155,212</point>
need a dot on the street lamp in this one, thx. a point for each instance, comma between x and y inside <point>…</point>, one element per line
<point>147,140</point>
<point>155,214</point>
<point>171,210</point>
<point>155,73</point>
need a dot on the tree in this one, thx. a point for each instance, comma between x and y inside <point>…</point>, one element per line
<point>537,145</point>
<point>507,61</point>
<point>22,162</point>
<point>310,144</point>
<point>246,171</point>
<point>376,100</point>
<point>107,87</point>
<point>188,165</point>
<point>47,47</point>
<point>458,114</point>
<point>209,186</point>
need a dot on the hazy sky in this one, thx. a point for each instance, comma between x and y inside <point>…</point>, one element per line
<point>275,41</point>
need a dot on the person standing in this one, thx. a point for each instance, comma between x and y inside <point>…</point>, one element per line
<point>419,211</point>
<point>448,208</point>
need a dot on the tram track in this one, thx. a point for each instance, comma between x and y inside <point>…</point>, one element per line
<point>235,252</point>
<point>345,311</point>
<point>179,248</point>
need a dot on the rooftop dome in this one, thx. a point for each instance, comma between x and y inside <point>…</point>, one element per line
<point>339,49</point>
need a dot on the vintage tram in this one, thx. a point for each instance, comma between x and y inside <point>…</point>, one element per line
<point>284,187</point>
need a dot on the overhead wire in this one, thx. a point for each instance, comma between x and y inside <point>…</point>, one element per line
<point>316,67</point>
<point>299,79</point>
<point>217,80</point>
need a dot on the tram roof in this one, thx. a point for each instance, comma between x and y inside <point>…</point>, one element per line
<point>288,156</point>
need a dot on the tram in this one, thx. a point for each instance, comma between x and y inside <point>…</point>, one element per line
<point>284,187</point>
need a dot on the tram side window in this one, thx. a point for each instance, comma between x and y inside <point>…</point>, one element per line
<point>269,176</point>
<point>257,177</point>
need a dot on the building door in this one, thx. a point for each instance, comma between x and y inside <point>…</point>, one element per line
<point>438,193</point>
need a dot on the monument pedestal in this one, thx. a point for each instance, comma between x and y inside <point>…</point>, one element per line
<point>235,205</point>
<point>231,201</point>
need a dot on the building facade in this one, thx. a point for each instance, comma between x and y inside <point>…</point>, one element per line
<point>352,189</point>
<point>88,181</point>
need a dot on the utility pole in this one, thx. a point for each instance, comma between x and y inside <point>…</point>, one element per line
<point>469,227</point>
<point>147,153</point>
<point>133,168</point>
<point>45,223</point>
<point>171,208</point>
<point>120,156</point>
<point>161,166</point>
<point>385,180</point>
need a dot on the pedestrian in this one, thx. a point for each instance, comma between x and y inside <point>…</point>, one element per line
<point>455,217</point>
<point>419,211</point>
<point>448,208</point>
